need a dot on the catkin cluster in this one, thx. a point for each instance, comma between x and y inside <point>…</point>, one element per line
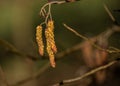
<point>50,42</point>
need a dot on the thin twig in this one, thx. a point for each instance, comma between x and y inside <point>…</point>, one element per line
<point>87,39</point>
<point>49,12</point>
<point>86,74</point>
<point>43,14</point>
<point>114,48</point>
<point>109,13</point>
<point>53,2</point>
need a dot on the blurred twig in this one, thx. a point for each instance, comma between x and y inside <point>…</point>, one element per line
<point>108,12</point>
<point>86,74</point>
<point>9,48</point>
<point>87,39</point>
<point>32,77</point>
<point>3,77</point>
<point>69,50</point>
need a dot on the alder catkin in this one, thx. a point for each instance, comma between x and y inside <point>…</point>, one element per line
<point>39,39</point>
<point>51,47</point>
<point>50,27</point>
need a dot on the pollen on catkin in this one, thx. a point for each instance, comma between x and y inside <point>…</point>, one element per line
<point>50,28</point>
<point>51,47</point>
<point>39,39</point>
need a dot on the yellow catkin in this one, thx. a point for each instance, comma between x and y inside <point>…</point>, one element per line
<point>39,39</point>
<point>50,28</point>
<point>51,47</point>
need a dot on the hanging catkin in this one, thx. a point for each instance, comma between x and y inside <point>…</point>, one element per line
<point>51,33</point>
<point>39,39</point>
<point>51,47</point>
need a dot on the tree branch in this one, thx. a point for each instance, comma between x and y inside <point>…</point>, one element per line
<point>86,74</point>
<point>108,12</point>
<point>9,48</point>
<point>87,39</point>
<point>32,77</point>
<point>2,77</point>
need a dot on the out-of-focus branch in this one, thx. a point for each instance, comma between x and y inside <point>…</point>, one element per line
<point>10,49</point>
<point>3,77</point>
<point>86,74</point>
<point>69,50</point>
<point>108,12</point>
<point>32,77</point>
<point>87,39</point>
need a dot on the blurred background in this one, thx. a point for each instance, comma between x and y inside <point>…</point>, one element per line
<point>18,21</point>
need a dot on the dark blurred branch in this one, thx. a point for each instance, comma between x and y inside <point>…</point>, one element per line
<point>109,13</point>
<point>86,74</point>
<point>69,50</point>
<point>9,48</point>
<point>32,77</point>
<point>92,43</point>
<point>3,77</point>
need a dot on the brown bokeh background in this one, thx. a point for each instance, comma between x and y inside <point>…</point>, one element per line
<point>18,20</point>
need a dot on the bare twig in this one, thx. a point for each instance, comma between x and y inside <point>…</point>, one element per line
<point>53,2</point>
<point>86,74</point>
<point>114,48</point>
<point>48,14</point>
<point>87,39</point>
<point>109,13</point>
